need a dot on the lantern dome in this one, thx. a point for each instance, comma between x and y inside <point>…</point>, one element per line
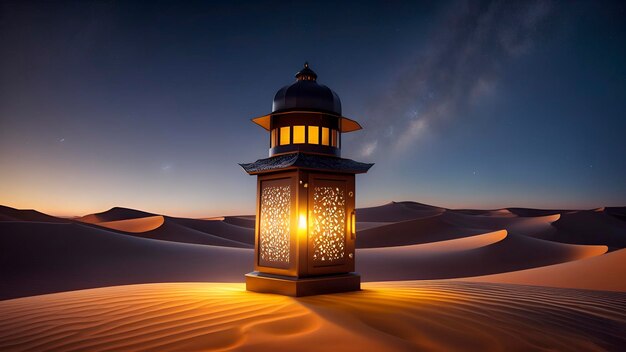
<point>306,94</point>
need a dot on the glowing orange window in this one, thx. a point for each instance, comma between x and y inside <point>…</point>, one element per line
<point>314,135</point>
<point>325,136</point>
<point>298,135</point>
<point>285,135</point>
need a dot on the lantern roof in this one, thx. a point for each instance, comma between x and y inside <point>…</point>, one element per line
<point>306,96</point>
<point>306,161</point>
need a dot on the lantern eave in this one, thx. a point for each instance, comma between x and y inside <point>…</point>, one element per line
<point>346,124</point>
<point>306,161</point>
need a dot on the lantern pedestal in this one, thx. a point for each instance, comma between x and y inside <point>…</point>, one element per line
<point>297,287</point>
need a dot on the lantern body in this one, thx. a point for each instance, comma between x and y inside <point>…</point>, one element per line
<point>304,223</point>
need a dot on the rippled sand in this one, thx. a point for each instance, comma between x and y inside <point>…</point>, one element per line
<point>408,315</point>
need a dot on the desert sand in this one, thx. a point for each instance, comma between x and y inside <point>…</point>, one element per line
<point>435,279</point>
<point>394,316</point>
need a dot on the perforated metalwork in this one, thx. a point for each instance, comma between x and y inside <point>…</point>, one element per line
<point>275,224</point>
<point>328,223</point>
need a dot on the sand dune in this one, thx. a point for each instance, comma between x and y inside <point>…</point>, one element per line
<point>617,212</point>
<point>532,226</point>
<point>114,214</point>
<point>132,246</point>
<point>221,229</point>
<point>174,231</point>
<point>366,225</point>
<point>478,212</point>
<point>397,211</point>
<point>445,226</point>
<point>588,227</point>
<point>170,230</point>
<point>40,258</point>
<point>513,224</point>
<point>395,316</point>
<point>242,221</point>
<point>12,214</point>
<point>509,254</point>
<point>408,232</point>
<point>215,231</point>
<point>535,212</point>
<point>455,245</point>
<point>605,272</point>
<point>135,225</point>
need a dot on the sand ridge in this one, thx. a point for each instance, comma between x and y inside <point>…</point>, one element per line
<point>135,225</point>
<point>173,231</point>
<point>588,227</point>
<point>114,214</point>
<point>603,272</point>
<point>397,211</point>
<point>12,214</point>
<point>216,231</point>
<point>486,256</point>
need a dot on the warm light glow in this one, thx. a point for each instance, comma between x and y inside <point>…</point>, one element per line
<point>334,138</point>
<point>298,135</point>
<point>275,222</point>
<point>273,138</point>
<point>328,222</point>
<point>302,222</point>
<point>168,313</point>
<point>285,135</point>
<point>314,135</point>
<point>325,136</point>
<point>353,223</point>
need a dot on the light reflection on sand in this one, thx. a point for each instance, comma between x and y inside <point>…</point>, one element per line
<point>408,315</point>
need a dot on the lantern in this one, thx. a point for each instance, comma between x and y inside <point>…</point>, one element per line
<point>305,221</point>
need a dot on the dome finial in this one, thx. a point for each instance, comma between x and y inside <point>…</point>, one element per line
<point>306,74</point>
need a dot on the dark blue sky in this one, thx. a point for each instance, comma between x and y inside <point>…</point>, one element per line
<point>147,104</point>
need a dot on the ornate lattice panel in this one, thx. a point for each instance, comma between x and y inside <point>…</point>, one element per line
<point>274,227</point>
<point>328,223</point>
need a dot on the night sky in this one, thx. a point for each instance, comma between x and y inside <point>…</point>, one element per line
<point>148,104</point>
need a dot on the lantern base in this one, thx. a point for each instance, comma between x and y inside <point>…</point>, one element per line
<point>297,287</point>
